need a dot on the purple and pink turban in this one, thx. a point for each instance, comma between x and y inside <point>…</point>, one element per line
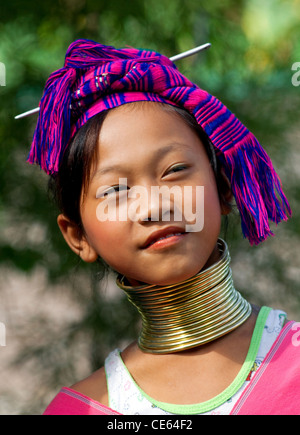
<point>96,77</point>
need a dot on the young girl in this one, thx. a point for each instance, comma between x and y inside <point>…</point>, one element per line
<point>116,127</point>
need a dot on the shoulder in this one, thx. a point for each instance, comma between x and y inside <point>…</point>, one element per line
<point>94,386</point>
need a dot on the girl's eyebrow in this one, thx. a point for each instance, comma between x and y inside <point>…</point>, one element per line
<point>175,146</point>
<point>158,154</point>
<point>106,169</point>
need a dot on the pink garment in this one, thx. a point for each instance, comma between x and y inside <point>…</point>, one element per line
<point>70,402</point>
<point>274,389</point>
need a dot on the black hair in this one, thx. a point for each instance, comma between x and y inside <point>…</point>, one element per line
<point>66,187</point>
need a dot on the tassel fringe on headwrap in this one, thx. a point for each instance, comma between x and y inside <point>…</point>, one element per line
<point>96,77</point>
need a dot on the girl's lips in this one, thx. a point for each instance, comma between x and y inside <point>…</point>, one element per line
<point>167,241</point>
<point>164,237</point>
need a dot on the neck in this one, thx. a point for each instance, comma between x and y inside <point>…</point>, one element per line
<point>191,313</point>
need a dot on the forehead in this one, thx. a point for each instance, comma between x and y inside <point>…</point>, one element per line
<point>139,129</point>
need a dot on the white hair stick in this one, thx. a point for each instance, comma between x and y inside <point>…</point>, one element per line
<point>30,112</point>
<point>190,52</point>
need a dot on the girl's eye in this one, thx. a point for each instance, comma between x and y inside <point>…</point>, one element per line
<point>176,168</point>
<point>111,190</point>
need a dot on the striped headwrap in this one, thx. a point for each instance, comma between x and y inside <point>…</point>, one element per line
<point>96,77</point>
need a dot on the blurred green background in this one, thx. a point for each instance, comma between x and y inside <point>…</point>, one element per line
<point>60,318</point>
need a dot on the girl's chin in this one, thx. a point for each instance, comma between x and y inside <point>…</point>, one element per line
<point>179,269</point>
<point>162,280</point>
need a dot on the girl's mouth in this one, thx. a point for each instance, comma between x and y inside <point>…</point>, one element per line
<point>164,238</point>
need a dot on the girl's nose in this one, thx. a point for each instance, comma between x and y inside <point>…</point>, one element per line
<point>158,205</point>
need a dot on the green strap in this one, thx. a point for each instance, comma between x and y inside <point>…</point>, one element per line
<point>229,392</point>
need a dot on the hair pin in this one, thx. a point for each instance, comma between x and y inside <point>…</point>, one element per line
<point>190,52</point>
<point>173,59</point>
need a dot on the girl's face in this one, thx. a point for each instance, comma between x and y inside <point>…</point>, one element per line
<point>142,150</point>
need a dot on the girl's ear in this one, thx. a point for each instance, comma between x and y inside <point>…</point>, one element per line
<point>76,240</point>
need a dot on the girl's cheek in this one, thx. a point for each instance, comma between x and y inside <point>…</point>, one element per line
<point>109,240</point>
